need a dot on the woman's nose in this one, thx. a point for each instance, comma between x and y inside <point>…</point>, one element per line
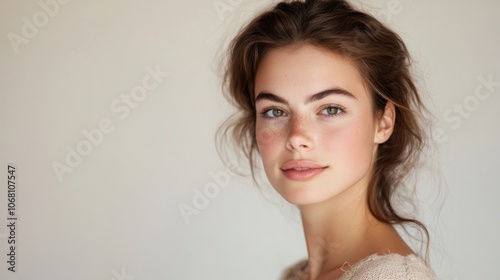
<point>299,137</point>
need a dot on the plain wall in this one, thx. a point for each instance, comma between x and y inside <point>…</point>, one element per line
<point>73,68</point>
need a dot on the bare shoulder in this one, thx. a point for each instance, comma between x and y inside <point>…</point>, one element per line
<point>390,267</point>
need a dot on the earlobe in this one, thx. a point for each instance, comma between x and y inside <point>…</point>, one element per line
<point>385,124</point>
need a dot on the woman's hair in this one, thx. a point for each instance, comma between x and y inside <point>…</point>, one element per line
<point>378,53</point>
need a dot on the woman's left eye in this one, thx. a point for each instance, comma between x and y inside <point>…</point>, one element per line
<point>332,111</point>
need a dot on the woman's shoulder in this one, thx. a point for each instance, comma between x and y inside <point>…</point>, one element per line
<point>390,267</point>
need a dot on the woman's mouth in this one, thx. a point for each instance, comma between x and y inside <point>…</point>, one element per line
<point>301,170</point>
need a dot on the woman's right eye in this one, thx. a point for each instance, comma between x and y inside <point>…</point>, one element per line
<point>273,113</point>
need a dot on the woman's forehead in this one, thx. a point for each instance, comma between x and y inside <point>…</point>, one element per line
<point>306,69</point>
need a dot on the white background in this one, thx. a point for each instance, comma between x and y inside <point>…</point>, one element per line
<point>116,215</point>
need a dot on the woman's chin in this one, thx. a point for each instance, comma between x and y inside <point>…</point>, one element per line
<point>302,198</point>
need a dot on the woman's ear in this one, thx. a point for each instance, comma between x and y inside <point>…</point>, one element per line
<point>385,123</point>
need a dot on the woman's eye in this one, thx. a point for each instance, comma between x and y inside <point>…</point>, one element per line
<point>274,113</point>
<point>331,111</point>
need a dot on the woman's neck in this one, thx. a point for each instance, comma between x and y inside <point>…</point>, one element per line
<point>341,231</point>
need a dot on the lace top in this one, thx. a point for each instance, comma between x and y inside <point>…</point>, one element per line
<point>381,267</point>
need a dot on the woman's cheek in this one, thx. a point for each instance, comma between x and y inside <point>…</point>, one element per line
<point>343,140</point>
<point>268,139</point>
<point>352,145</point>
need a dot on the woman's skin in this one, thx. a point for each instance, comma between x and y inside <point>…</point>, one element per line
<point>318,136</point>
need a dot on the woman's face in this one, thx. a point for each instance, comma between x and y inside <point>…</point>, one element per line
<point>315,127</point>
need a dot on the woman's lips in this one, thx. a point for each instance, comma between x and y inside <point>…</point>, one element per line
<point>301,170</point>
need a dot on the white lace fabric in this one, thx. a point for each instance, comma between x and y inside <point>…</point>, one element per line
<point>375,267</point>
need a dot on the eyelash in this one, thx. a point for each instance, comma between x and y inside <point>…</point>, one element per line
<point>340,111</point>
<point>269,109</point>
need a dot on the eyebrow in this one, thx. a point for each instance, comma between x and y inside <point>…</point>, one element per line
<point>315,97</point>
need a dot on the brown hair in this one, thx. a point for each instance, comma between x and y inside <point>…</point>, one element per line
<point>382,59</point>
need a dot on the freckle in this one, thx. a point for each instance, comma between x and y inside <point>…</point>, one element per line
<point>265,136</point>
<point>269,135</point>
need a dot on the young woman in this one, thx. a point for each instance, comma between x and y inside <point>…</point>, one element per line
<point>325,97</point>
